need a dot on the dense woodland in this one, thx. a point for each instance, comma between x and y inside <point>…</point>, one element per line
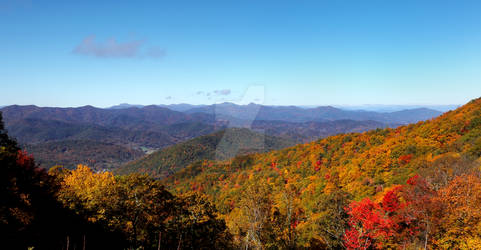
<point>415,186</point>
<point>98,155</point>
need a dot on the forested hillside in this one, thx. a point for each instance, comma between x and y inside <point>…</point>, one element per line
<point>221,145</point>
<point>68,153</point>
<point>406,187</point>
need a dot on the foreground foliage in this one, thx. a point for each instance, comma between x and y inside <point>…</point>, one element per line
<point>73,209</point>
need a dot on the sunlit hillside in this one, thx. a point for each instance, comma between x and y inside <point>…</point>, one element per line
<point>300,182</point>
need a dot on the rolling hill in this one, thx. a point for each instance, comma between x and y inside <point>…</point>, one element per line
<point>221,145</point>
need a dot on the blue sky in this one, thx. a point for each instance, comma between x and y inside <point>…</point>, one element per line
<point>54,53</point>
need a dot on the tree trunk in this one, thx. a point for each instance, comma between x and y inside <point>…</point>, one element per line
<point>180,241</point>
<point>160,237</point>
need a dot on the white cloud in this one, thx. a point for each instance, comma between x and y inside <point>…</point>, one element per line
<point>222,92</point>
<point>113,49</point>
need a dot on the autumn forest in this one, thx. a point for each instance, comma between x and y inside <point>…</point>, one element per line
<point>415,186</point>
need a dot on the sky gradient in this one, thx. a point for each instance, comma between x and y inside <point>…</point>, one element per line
<point>55,53</point>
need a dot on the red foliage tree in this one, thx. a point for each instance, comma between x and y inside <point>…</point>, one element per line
<point>368,225</point>
<point>400,219</point>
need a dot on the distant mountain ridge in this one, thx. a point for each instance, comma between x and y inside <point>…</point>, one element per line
<point>394,108</point>
<point>250,112</point>
<point>379,108</point>
<point>105,117</point>
<point>318,114</point>
<point>181,107</point>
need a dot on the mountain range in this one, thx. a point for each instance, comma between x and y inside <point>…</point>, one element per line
<point>253,111</point>
<point>127,132</point>
<point>381,108</point>
<point>317,114</point>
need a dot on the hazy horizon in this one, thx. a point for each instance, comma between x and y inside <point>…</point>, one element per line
<point>362,107</point>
